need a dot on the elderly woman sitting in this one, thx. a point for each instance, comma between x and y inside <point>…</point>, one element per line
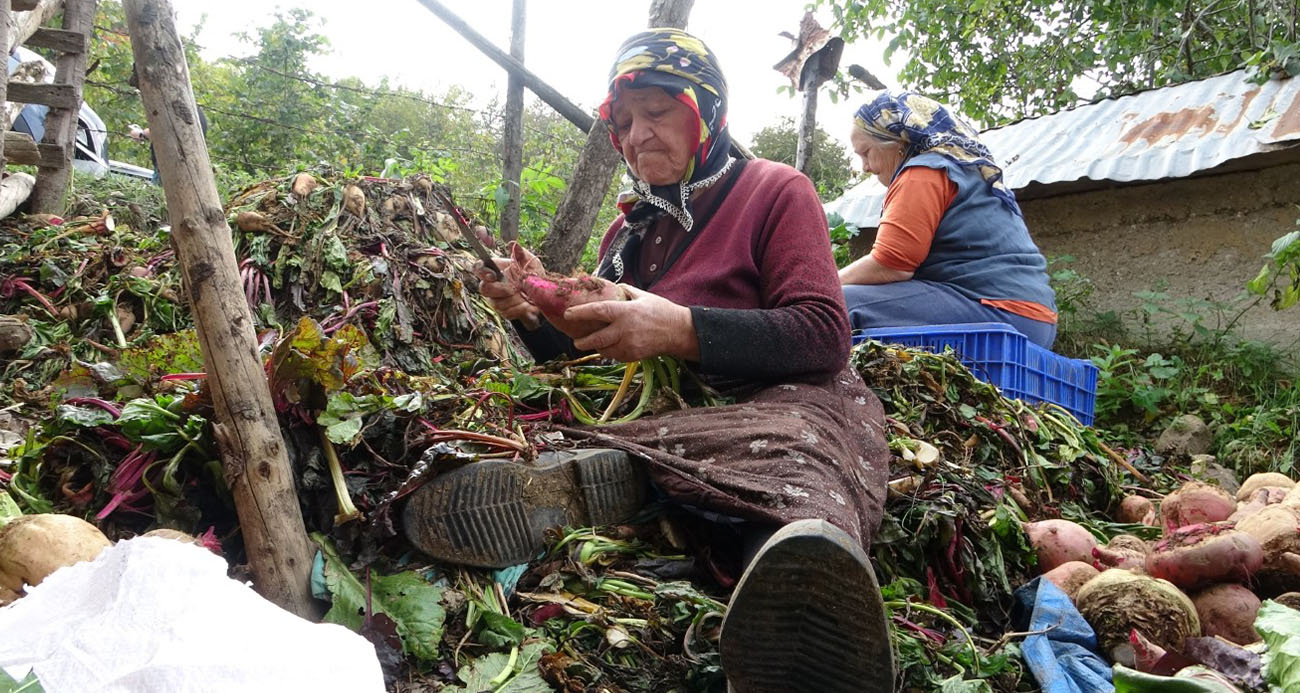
<point>728,266</point>
<point>952,246</point>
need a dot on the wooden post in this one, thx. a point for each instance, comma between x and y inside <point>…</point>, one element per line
<point>808,120</point>
<point>513,131</point>
<point>61,120</point>
<point>247,430</point>
<point>562,248</point>
<point>546,92</point>
<point>4,83</point>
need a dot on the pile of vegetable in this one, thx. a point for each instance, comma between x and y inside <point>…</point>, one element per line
<point>385,367</point>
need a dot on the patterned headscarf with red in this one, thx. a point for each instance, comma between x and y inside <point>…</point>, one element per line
<point>686,69</point>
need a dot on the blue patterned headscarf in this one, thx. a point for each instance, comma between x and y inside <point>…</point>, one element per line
<point>925,125</point>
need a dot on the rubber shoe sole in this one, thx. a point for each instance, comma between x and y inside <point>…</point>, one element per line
<point>494,514</point>
<point>807,616</point>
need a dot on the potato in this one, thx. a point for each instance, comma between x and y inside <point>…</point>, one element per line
<point>33,546</point>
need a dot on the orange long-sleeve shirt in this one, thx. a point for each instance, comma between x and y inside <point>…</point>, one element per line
<point>914,205</point>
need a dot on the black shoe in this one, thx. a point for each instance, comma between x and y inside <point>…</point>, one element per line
<point>494,513</point>
<point>807,616</point>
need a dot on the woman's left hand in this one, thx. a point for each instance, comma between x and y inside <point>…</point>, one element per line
<point>643,326</point>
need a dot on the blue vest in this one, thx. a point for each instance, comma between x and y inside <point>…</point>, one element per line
<point>981,248</point>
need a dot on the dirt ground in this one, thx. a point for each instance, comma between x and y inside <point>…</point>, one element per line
<point>1202,238</point>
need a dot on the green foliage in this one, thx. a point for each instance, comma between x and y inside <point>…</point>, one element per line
<point>1280,628</point>
<point>1281,275</point>
<point>842,236</point>
<point>414,605</point>
<point>829,167</point>
<point>999,60</point>
<point>269,114</point>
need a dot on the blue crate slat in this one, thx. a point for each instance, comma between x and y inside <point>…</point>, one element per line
<point>996,353</point>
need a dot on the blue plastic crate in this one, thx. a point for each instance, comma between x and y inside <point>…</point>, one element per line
<point>996,353</point>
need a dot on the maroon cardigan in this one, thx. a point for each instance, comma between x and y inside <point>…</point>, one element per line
<point>758,276</point>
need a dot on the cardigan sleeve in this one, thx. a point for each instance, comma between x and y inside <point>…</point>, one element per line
<point>803,329</point>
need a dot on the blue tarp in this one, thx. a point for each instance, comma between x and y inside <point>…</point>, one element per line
<point>1063,654</point>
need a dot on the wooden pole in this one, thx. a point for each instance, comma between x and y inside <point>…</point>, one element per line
<point>553,98</point>
<point>562,248</point>
<point>4,83</point>
<point>808,120</point>
<point>61,120</point>
<point>247,430</point>
<point>513,131</point>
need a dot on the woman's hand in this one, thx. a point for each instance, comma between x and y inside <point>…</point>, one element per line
<point>505,298</point>
<point>645,325</point>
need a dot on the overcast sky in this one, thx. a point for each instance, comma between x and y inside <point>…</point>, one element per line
<point>570,45</point>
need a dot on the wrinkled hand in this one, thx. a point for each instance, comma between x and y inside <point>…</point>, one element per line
<point>645,325</point>
<point>504,297</point>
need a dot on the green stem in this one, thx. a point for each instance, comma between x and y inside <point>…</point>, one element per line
<point>501,678</point>
<point>926,608</point>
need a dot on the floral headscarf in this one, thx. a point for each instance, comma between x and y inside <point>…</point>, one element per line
<point>687,70</point>
<point>924,125</point>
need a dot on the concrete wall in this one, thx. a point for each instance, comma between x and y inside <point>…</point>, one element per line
<point>1202,237</point>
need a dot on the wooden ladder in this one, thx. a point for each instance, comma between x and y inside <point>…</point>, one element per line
<point>53,155</point>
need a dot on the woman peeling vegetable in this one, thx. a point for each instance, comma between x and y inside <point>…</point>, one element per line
<point>725,264</point>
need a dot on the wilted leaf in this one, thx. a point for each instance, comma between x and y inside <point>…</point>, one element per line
<point>408,599</point>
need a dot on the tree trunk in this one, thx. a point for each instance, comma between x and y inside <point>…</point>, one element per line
<point>576,215</point>
<point>513,134</point>
<point>22,24</point>
<point>5,48</point>
<point>246,428</point>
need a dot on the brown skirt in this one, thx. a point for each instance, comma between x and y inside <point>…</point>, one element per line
<point>788,452</point>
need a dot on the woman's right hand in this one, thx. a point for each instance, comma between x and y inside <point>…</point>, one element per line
<point>504,297</point>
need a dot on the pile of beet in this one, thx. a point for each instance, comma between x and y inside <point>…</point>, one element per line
<point>1155,602</point>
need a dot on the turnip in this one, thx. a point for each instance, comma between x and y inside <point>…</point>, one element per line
<point>1118,601</point>
<point>303,184</point>
<point>1263,497</point>
<point>1198,555</point>
<point>553,293</point>
<point>1070,576</point>
<point>1255,482</point>
<point>33,546</point>
<point>354,201</point>
<point>1122,551</point>
<point>1228,611</point>
<point>1277,529</point>
<point>1059,541</point>
<point>1136,510</point>
<point>1196,503</point>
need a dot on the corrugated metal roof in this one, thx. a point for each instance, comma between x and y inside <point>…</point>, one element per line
<point>1171,132</point>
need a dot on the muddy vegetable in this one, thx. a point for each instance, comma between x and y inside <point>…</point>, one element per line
<point>1070,576</point>
<point>1059,541</point>
<point>1118,601</point>
<point>33,546</point>
<point>14,334</point>
<point>1123,551</point>
<point>1137,510</point>
<point>1199,555</point>
<point>1277,529</point>
<point>1254,482</point>
<point>1228,611</point>
<point>1196,503</point>
<point>303,184</point>
<point>354,201</point>
<point>554,293</point>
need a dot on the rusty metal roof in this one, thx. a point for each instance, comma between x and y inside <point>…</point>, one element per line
<point>1171,132</point>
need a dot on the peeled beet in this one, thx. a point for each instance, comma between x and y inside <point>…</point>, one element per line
<point>1204,554</point>
<point>1196,503</point>
<point>1059,541</point>
<point>554,293</point>
<point>1228,611</point>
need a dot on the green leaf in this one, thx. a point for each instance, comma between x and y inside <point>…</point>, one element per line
<point>499,630</point>
<point>1280,628</point>
<point>9,510</point>
<point>86,417</point>
<point>29,684</point>
<point>499,672</point>
<point>407,598</point>
<point>957,685</point>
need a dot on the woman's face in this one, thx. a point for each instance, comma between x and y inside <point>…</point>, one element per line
<point>879,158</point>
<point>659,134</point>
